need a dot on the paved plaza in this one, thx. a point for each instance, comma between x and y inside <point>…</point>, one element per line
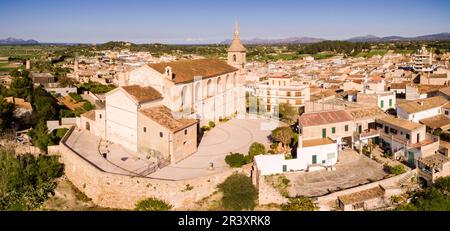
<point>233,136</point>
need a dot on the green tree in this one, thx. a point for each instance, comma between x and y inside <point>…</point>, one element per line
<point>27,181</point>
<point>299,204</point>
<point>6,113</point>
<point>152,204</point>
<point>239,193</point>
<point>235,160</point>
<point>254,150</point>
<point>287,113</point>
<point>283,135</point>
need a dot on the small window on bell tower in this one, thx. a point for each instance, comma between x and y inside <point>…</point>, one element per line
<point>234,58</point>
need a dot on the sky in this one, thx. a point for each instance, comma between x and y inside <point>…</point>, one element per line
<point>210,21</point>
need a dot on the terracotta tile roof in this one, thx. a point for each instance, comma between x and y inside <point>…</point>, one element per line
<point>163,116</point>
<point>422,89</point>
<point>434,161</point>
<point>398,85</point>
<point>366,112</point>
<point>422,104</point>
<point>186,70</point>
<point>444,144</point>
<point>402,123</point>
<point>325,117</point>
<point>446,106</point>
<point>445,91</point>
<point>438,121</point>
<point>362,196</point>
<point>19,102</point>
<point>89,114</point>
<point>142,94</point>
<point>317,142</point>
<point>438,76</point>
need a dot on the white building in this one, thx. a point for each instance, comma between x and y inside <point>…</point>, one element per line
<point>417,110</point>
<point>280,88</point>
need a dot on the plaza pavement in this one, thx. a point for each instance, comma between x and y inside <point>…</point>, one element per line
<point>235,135</point>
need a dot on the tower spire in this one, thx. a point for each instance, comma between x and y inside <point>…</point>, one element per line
<point>236,29</point>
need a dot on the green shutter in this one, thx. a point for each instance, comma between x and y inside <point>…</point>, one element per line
<point>390,102</point>
<point>324,133</point>
<point>333,130</point>
<point>314,159</point>
<point>346,128</point>
<point>382,104</point>
<point>284,168</point>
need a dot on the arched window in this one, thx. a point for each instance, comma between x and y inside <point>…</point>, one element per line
<point>234,58</point>
<point>88,126</point>
<point>183,96</point>
<point>219,84</point>
<point>227,82</point>
<point>209,88</point>
<point>197,92</point>
<point>234,80</point>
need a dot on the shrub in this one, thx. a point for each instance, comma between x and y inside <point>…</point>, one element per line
<point>256,149</point>
<point>205,128</point>
<point>299,204</point>
<point>395,170</point>
<point>77,98</point>
<point>211,124</point>
<point>239,193</point>
<point>235,160</point>
<point>26,181</point>
<point>152,204</point>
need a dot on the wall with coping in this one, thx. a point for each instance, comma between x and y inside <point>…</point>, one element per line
<point>124,191</point>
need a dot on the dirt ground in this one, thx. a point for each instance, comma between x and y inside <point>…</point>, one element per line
<point>68,198</point>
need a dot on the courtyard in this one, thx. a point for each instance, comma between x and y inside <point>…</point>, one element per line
<point>352,170</point>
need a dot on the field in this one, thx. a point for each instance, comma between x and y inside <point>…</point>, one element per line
<point>27,51</point>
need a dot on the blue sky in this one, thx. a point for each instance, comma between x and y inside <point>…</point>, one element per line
<point>205,21</point>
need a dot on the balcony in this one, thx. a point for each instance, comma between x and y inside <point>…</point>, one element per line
<point>367,134</point>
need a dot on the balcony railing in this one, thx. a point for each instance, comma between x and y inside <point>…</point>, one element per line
<point>369,133</point>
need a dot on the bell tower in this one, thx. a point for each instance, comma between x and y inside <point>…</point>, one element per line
<point>237,51</point>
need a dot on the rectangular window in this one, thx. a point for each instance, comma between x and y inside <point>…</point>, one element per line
<point>185,131</point>
<point>446,112</point>
<point>324,133</point>
<point>145,129</point>
<point>346,128</point>
<point>382,104</point>
<point>408,136</point>
<point>288,93</point>
<point>298,93</point>
<point>386,129</point>
<point>160,134</point>
<point>333,130</point>
<point>314,159</point>
<point>330,156</point>
<point>390,102</point>
<point>392,130</point>
<point>284,168</point>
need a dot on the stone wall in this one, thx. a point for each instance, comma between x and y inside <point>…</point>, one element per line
<point>124,191</point>
<point>390,184</point>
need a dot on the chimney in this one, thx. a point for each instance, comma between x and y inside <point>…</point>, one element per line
<point>168,73</point>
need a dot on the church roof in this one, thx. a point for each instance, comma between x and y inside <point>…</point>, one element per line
<point>163,116</point>
<point>142,94</point>
<point>186,70</point>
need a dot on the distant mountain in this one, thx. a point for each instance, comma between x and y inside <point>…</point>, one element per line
<point>366,38</point>
<point>372,38</point>
<point>14,41</point>
<point>291,40</point>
